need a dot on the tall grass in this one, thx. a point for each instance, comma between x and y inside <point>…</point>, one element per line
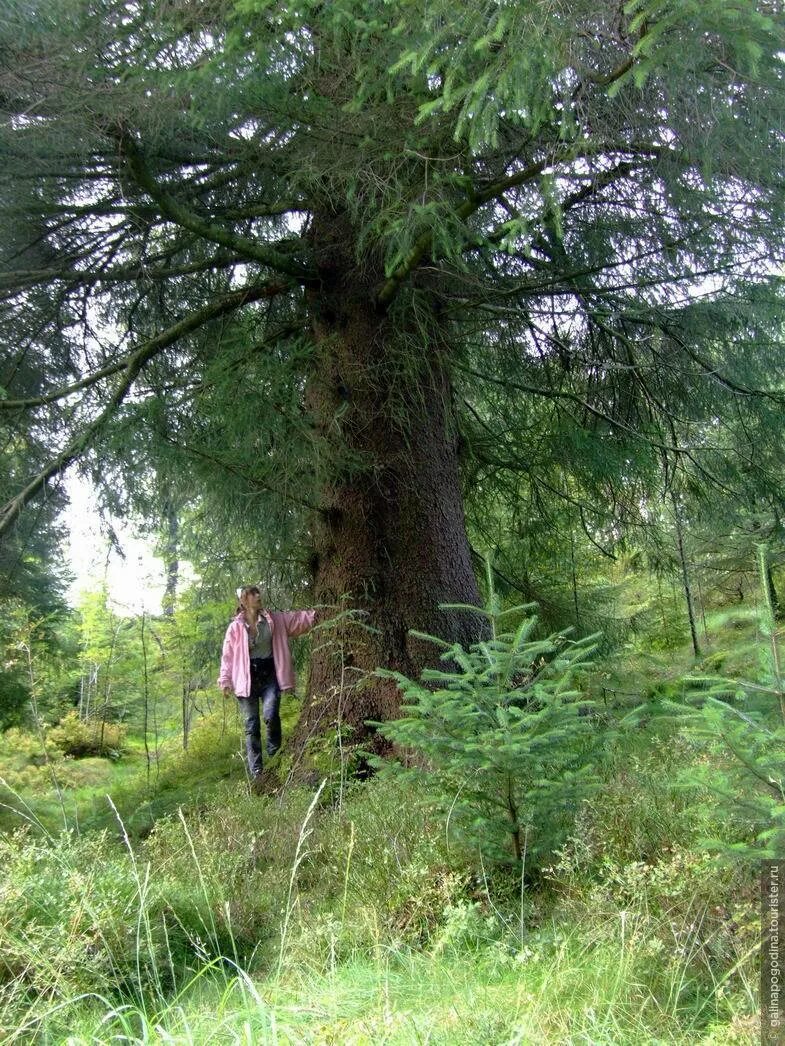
<point>569,988</point>
<point>353,915</point>
<point>287,920</point>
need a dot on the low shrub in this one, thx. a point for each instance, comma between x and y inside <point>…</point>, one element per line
<point>384,861</point>
<point>21,747</point>
<point>87,737</point>
<point>691,923</point>
<point>69,919</point>
<point>215,749</point>
<point>642,807</point>
<point>26,769</point>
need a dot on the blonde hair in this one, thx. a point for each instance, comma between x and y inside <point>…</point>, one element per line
<point>242,593</point>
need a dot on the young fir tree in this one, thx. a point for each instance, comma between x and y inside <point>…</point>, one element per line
<point>345,247</point>
<point>509,747</point>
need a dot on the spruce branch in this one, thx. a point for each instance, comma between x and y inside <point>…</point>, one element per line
<point>267,290</point>
<point>13,281</point>
<point>476,199</point>
<point>280,490</point>
<point>133,365</point>
<point>208,230</point>
<point>601,415</point>
<point>714,372</point>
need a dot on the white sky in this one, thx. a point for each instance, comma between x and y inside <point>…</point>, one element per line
<point>136,583</point>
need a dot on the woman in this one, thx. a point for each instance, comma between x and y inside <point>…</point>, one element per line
<point>256,665</point>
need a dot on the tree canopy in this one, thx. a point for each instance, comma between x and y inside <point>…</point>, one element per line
<point>335,277</point>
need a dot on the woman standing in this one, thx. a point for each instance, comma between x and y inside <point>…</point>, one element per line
<point>256,665</point>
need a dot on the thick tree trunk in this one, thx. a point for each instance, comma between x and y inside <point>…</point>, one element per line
<point>390,539</point>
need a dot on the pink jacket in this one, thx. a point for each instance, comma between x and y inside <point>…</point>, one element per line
<point>236,660</point>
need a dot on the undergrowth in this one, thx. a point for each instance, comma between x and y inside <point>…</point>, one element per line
<point>242,919</point>
<point>189,911</point>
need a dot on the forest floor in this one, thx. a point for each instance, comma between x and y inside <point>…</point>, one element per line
<point>156,900</point>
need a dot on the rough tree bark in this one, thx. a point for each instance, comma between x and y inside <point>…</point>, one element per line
<point>390,538</point>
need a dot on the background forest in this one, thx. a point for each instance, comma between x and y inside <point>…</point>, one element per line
<point>465,327</point>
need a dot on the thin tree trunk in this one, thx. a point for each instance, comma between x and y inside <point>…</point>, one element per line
<point>685,577</point>
<point>775,599</point>
<point>40,729</point>
<point>186,710</point>
<point>171,560</point>
<point>515,828</point>
<point>703,607</point>
<point>156,751</point>
<point>662,605</point>
<point>84,696</point>
<point>146,695</point>
<point>574,578</point>
<point>108,686</point>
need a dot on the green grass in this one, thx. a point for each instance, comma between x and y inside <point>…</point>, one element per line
<point>731,643</point>
<point>193,912</point>
<point>391,934</point>
<point>570,989</point>
<point>142,791</point>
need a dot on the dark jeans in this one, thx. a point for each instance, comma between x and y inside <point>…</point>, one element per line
<point>264,691</point>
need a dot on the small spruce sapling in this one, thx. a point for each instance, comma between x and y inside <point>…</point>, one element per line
<point>509,745</point>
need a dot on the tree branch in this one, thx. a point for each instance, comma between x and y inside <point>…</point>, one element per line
<point>20,279</point>
<point>599,414</point>
<point>267,290</point>
<point>495,190</point>
<point>133,364</point>
<point>182,216</point>
<point>232,469</point>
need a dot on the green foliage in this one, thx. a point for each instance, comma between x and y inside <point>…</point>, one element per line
<point>39,677</point>
<point>548,184</point>
<point>510,744</point>
<point>390,931</point>
<point>61,915</point>
<point>692,927</point>
<point>111,660</point>
<point>642,810</point>
<point>192,638</point>
<point>658,22</point>
<point>216,739</point>
<point>38,777</point>
<point>78,737</point>
<point>383,870</point>
<point>746,722</point>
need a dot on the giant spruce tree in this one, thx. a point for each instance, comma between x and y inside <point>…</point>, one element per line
<point>341,272</point>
